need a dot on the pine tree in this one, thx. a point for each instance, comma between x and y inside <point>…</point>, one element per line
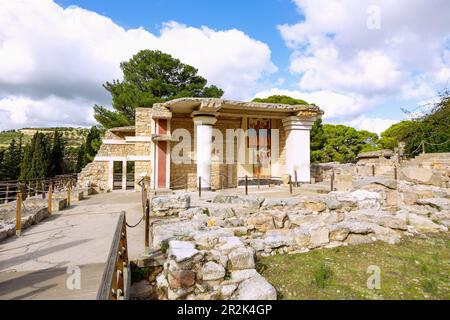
<point>57,155</point>
<point>150,77</point>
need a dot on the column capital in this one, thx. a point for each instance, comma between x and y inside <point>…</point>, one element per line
<point>204,118</point>
<point>296,123</point>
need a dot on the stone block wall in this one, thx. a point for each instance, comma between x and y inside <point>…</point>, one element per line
<point>95,174</point>
<point>182,175</point>
<point>143,121</point>
<point>143,129</point>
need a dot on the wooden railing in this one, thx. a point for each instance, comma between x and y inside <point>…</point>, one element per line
<point>116,277</point>
<point>34,187</point>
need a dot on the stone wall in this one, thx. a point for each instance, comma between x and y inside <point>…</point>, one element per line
<point>95,174</point>
<point>183,175</point>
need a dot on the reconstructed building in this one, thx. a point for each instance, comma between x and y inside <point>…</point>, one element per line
<point>185,142</point>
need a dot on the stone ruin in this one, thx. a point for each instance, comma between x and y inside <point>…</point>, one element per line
<point>210,247</point>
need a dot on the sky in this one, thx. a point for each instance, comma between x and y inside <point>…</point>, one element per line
<point>359,60</point>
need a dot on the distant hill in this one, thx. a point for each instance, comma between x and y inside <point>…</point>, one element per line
<point>73,136</point>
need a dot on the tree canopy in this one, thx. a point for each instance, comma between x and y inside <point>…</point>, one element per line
<point>343,144</point>
<point>10,160</point>
<point>88,150</point>
<point>150,77</point>
<point>329,142</point>
<point>432,130</point>
<point>280,99</point>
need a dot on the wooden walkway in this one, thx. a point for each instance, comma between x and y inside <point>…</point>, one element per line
<point>35,266</point>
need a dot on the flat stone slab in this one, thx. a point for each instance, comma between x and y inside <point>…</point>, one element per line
<point>181,250</point>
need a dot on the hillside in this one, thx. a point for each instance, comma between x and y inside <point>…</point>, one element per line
<point>73,136</point>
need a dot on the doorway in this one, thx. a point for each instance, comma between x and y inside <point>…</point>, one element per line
<point>117,175</point>
<point>260,143</point>
<point>130,175</point>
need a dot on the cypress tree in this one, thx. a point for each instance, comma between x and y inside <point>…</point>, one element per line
<point>92,144</point>
<point>2,153</point>
<point>80,158</point>
<point>40,163</point>
<point>57,155</point>
<point>25,165</point>
<point>11,160</point>
<point>36,158</point>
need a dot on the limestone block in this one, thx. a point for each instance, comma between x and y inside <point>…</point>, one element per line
<point>212,271</point>
<point>255,288</point>
<point>242,258</point>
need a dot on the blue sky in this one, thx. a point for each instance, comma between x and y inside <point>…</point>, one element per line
<point>257,18</point>
<point>360,60</point>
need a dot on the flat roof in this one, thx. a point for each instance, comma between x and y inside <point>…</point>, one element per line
<point>187,105</point>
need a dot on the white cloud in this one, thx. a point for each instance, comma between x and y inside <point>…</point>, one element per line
<point>47,51</point>
<point>334,104</point>
<point>339,108</point>
<point>377,125</point>
<point>18,112</point>
<point>334,50</point>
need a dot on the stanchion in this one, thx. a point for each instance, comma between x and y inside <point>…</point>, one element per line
<point>69,189</point>
<point>246,185</point>
<point>50,195</point>
<point>43,189</point>
<point>199,187</point>
<point>290,184</point>
<point>19,214</point>
<point>7,193</point>
<point>332,181</point>
<point>295,177</point>
<point>147,228</point>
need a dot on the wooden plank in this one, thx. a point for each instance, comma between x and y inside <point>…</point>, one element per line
<point>106,285</point>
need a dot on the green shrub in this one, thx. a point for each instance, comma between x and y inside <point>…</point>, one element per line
<point>323,275</point>
<point>430,286</point>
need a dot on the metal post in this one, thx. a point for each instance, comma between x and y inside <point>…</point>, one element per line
<point>7,192</point>
<point>246,185</point>
<point>43,189</point>
<point>143,196</point>
<point>147,228</point>
<point>50,195</point>
<point>290,184</point>
<point>69,189</point>
<point>373,170</point>
<point>332,181</point>
<point>19,214</point>
<point>395,173</point>
<point>295,177</point>
<point>199,187</point>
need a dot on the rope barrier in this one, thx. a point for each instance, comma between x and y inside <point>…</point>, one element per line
<point>134,226</point>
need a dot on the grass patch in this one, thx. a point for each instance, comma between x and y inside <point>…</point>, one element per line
<point>416,268</point>
<point>323,275</point>
<point>164,246</point>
